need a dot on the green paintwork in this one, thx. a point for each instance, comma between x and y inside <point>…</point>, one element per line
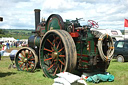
<point>37,41</point>
<point>93,50</point>
<point>43,31</point>
<point>53,24</point>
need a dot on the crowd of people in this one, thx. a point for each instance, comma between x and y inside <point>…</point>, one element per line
<point>9,45</point>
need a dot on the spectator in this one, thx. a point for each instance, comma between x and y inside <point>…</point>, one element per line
<point>16,43</point>
<point>8,45</point>
<point>3,50</point>
<point>11,44</point>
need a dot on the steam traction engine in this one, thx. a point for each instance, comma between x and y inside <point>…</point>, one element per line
<point>59,46</point>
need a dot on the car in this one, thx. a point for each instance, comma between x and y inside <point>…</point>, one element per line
<point>121,50</point>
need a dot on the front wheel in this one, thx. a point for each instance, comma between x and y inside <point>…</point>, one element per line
<point>120,58</point>
<point>26,59</point>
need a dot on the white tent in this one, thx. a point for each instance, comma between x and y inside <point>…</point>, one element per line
<point>10,39</point>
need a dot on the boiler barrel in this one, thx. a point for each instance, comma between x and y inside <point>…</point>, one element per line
<point>34,41</point>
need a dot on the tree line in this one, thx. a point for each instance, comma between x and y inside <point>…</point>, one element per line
<point>17,34</point>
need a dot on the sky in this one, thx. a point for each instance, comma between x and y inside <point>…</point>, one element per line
<point>19,14</point>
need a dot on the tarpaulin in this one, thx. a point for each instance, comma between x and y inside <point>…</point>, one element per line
<point>100,77</point>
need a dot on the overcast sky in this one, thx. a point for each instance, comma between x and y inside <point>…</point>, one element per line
<point>19,14</point>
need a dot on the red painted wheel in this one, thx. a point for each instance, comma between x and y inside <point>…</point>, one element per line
<point>93,23</point>
<point>26,59</point>
<point>57,53</point>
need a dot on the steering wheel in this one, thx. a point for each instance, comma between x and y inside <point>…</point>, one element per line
<point>93,23</point>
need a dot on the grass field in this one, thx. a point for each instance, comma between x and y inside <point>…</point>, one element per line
<point>14,77</point>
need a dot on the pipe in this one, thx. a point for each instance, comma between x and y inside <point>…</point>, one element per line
<point>37,17</point>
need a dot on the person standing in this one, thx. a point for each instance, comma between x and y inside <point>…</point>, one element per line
<point>16,44</point>
<point>7,44</point>
<point>2,50</point>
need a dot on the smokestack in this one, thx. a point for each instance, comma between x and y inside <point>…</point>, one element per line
<point>1,18</point>
<point>37,17</point>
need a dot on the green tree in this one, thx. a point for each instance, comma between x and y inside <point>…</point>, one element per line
<point>1,31</point>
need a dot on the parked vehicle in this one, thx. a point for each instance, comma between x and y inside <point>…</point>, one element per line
<point>121,50</point>
<point>115,34</point>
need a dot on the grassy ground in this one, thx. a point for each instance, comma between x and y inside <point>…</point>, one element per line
<point>120,72</point>
<point>14,77</point>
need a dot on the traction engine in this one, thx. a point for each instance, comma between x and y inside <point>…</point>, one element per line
<point>59,46</point>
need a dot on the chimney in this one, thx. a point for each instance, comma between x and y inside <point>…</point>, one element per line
<point>37,17</point>
<point>1,18</point>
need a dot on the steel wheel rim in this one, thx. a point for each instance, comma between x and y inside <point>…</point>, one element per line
<point>120,59</point>
<point>25,60</point>
<point>54,55</point>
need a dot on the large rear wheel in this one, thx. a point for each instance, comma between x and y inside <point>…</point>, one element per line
<point>57,53</point>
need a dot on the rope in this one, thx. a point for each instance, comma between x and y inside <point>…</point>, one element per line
<point>110,50</point>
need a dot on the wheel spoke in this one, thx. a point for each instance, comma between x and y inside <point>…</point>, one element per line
<point>64,60</point>
<point>48,50</point>
<point>50,67</point>
<point>61,55</point>
<point>24,67</point>
<point>30,66</point>
<point>20,58</point>
<point>22,54</point>
<point>61,49</point>
<point>52,49</point>
<point>54,37</point>
<point>61,62</point>
<point>30,56</point>
<point>27,67</point>
<point>47,59</point>
<point>55,71</point>
<point>21,64</point>
<point>49,54</point>
<point>54,41</point>
<point>20,61</point>
<point>31,62</point>
<point>52,61</point>
<point>32,59</point>
<point>49,42</point>
<point>59,67</point>
<point>58,44</point>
